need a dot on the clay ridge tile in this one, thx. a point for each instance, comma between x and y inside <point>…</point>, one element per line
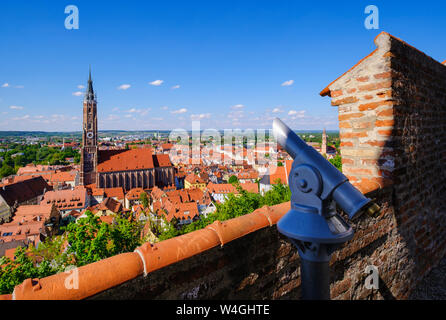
<point>238,227</point>
<point>164,253</point>
<point>93,278</point>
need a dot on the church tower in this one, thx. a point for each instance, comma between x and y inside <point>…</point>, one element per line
<point>324,142</point>
<point>89,152</point>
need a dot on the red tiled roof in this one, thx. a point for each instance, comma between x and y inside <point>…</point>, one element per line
<point>24,190</point>
<point>250,187</point>
<point>248,175</point>
<point>42,209</point>
<point>117,193</point>
<point>66,199</point>
<point>63,176</point>
<point>167,146</point>
<point>194,179</point>
<point>124,160</point>
<point>281,173</point>
<point>134,194</point>
<point>109,204</point>
<point>161,160</point>
<point>133,159</point>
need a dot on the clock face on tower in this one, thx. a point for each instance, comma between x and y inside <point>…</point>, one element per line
<point>89,135</point>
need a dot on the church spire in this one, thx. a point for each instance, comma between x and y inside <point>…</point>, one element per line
<point>89,95</point>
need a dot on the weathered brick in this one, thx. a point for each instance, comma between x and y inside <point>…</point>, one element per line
<point>348,116</point>
<point>346,144</point>
<point>375,86</point>
<point>349,135</point>
<point>384,75</point>
<point>384,123</point>
<point>363,79</point>
<point>374,105</point>
<point>346,100</point>
<point>336,93</point>
<point>386,113</point>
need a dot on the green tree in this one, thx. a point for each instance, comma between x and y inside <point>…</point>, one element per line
<point>144,199</point>
<point>337,162</point>
<point>13,273</point>
<point>233,179</point>
<point>6,170</point>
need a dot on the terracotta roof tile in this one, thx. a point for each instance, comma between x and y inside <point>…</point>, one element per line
<point>176,249</point>
<point>93,278</point>
<point>124,160</point>
<point>235,228</point>
<point>134,193</point>
<point>66,199</point>
<point>162,160</point>
<point>24,190</point>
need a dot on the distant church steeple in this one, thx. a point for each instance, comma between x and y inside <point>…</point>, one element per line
<point>89,94</point>
<point>89,154</point>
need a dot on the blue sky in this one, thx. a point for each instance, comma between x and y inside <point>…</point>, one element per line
<point>222,61</point>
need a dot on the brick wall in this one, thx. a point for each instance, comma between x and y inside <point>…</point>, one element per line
<point>392,119</point>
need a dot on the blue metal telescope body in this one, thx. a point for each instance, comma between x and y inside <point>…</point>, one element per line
<point>313,224</point>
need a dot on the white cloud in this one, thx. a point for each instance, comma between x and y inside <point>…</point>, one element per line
<point>175,87</point>
<point>25,117</point>
<point>81,87</point>
<point>16,107</point>
<point>124,87</point>
<point>296,114</point>
<point>112,117</point>
<point>182,110</point>
<point>287,83</point>
<point>128,116</point>
<point>157,119</point>
<point>77,93</point>
<point>142,112</point>
<point>164,108</point>
<point>5,85</point>
<point>200,116</point>
<point>277,110</point>
<point>238,106</point>
<point>19,87</point>
<point>156,83</point>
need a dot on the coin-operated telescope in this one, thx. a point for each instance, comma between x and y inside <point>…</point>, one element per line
<point>312,224</point>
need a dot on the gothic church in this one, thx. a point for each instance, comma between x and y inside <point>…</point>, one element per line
<point>134,168</point>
